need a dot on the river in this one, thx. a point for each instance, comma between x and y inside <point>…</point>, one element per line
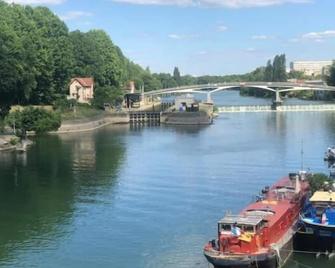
<point>125,196</point>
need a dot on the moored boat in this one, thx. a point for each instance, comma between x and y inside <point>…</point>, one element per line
<point>261,234</point>
<point>317,220</point>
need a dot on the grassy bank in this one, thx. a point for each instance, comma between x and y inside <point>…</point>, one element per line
<point>80,112</point>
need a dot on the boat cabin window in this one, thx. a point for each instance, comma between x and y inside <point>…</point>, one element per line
<point>245,228</point>
<point>248,228</point>
<point>225,227</point>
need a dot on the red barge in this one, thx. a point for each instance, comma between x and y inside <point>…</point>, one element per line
<point>261,236</point>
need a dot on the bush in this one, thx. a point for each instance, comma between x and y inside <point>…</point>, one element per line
<point>13,141</point>
<point>317,181</point>
<point>33,119</point>
<point>108,94</point>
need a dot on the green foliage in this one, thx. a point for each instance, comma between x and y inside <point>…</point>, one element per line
<point>176,76</point>
<point>279,68</point>
<point>2,125</point>
<point>296,75</point>
<point>317,181</point>
<point>13,141</point>
<point>167,81</point>
<point>108,94</point>
<point>268,73</point>
<point>63,104</point>
<point>150,82</point>
<point>81,111</point>
<point>33,119</point>
<point>39,56</point>
<point>331,77</point>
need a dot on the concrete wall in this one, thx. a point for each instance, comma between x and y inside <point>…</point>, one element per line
<point>84,125</point>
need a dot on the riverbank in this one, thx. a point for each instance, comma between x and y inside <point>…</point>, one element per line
<point>9,143</point>
<point>92,123</point>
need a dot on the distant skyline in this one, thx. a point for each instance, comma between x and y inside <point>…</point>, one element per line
<point>214,37</point>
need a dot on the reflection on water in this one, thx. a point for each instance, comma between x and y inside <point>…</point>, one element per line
<point>39,191</point>
<point>138,196</point>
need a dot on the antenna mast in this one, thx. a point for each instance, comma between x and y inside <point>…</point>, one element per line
<point>302,155</point>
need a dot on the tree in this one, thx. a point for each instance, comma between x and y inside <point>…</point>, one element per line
<point>150,82</point>
<point>279,68</point>
<point>296,75</point>
<point>268,73</point>
<point>331,77</point>
<point>318,181</point>
<point>33,119</point>
<point>176,75</point>
<point>107,94</point>
<point>166,80</point>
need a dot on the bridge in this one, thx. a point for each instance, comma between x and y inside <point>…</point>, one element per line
<point>276,87</point>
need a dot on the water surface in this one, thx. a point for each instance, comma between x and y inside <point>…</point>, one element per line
<point>127,196</point>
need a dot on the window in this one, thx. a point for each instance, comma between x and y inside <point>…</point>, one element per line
<point>225,227</point>
<point>248,228</point>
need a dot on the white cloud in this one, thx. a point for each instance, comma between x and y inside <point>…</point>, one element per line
<point>36,2</point>
<point>222,28</point>
<point>182,36</point>
<point>203,52</point>
<point>319,35</point>
<point>261,37</point>
<point>220,3</point>
<point>72,15</point>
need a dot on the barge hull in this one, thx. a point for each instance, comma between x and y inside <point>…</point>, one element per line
<point>260,261</point>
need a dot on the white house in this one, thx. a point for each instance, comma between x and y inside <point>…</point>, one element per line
<point>82,89</point>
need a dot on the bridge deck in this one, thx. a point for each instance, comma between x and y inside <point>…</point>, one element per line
<point>282,108</point>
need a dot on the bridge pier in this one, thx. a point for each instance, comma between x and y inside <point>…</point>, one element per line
<point>277,101</point>
<point>209,98</point>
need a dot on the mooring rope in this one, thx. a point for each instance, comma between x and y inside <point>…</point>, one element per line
<point>305,252</point>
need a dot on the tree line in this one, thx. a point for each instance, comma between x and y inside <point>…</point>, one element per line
<point>274,71</point>
<point>39,56</point>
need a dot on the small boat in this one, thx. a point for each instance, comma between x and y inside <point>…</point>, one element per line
<point>330,154</point>
<point>318,220</point>
<point>261,235</point>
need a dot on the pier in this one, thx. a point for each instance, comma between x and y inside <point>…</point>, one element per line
<point>271,108</point>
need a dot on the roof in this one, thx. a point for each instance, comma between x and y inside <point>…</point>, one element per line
<point>240,219</point>
<point>321,196</point>
<point>84,81</point>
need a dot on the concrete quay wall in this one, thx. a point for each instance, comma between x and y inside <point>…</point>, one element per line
<point>95,123</point>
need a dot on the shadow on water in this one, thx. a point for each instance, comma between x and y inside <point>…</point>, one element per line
<point>181,129</point>
<point>40,190</point>
<point>189,129</point>
<point>303,260</point>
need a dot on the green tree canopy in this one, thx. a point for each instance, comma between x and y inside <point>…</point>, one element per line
<point>331,77</point>
<point>33,119</point>
<point>176,76</point>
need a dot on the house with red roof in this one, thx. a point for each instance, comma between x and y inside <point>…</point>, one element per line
<point>82,89</point>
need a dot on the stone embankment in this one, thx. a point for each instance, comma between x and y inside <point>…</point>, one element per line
<point>10,143</point>
<point>5,143</point>
<point>93,123</point>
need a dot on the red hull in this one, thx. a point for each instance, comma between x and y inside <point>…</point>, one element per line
<point>261,235</point>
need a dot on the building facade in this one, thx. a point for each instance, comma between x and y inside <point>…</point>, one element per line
<point>311,68</point>
<point>82,89</point>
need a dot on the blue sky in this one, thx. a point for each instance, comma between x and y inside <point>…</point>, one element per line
<point>206,36</point>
